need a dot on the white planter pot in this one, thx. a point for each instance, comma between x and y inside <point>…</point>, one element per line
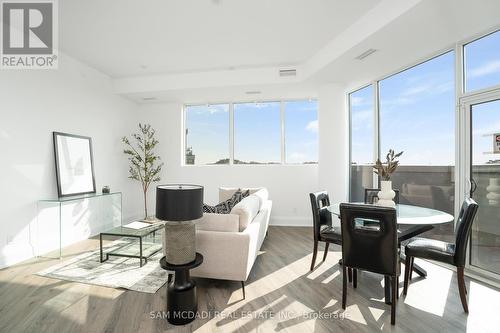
<point>386,194</point>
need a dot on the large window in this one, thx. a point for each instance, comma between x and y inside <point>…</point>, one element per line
<point>417,116</point>
<point>482,62</point>
<point>207,134</point>
<point>263,133</point>
<point>301,132</point>
<point>257,133</point>
<point>362,141</point>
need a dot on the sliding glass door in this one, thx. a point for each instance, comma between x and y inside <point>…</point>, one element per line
<point>482,113</point>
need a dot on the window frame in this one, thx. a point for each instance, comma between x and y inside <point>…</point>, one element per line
<point>460,96</point>
<point>231,142</point>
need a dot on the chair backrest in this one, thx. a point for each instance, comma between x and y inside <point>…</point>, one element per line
<point>374,249</point>
<point>463,228</point>
<point>371,194</point>
<point>321,216</point>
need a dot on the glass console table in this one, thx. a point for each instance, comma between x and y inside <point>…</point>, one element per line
<point>63,221</point>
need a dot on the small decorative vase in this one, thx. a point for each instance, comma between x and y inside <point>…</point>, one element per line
<point>493,189</point>
<point>386,194</point>
<point>106,190</point>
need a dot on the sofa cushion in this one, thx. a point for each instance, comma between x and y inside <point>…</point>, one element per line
<point>247,209</point>
<point>225,206</point>
<point>263,196</point>
<point>227,192</point>
<point>218,222</point>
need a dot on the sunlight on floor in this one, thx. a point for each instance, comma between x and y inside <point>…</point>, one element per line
<point>432,295</point>
<point>486,299</point>
<point>354,314</point>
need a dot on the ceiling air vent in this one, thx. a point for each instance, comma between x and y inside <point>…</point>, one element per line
<point>288,72</point>
<point>253,92</point>
<point>366,54</point>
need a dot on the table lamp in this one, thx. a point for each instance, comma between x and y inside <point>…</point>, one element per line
<point>179,205</point>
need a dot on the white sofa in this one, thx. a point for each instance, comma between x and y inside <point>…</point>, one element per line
<point>230,242</point>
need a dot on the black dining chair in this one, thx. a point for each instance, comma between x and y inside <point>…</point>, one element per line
<point>368,248</point>
<point>371,194</point>
<point>322,224</point>
<point>449,253</point>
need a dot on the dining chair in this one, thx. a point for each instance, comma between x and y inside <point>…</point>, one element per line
<point>449,253</point>
<point>368,248</point>
<point>322,224</point>
<point>371,194</point>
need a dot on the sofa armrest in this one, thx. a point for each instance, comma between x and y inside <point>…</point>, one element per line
<point>218,222</point>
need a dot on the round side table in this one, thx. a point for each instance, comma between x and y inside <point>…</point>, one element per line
<point>182,302</point>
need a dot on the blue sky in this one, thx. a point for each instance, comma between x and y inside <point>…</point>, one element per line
<point>257,132</point>
<point>208,132</point>
<point>417,112</point>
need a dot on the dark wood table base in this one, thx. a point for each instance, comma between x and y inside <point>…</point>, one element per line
<point>182,301</point>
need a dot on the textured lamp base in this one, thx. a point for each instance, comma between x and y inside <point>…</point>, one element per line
<point>180,241</point>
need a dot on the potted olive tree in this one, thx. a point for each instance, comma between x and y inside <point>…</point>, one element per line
<point>145,165</point>
<point>384,171</point>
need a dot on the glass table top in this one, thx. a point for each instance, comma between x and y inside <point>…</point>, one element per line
<point>408,214</point>
<point>80,197</point>
<point>124,231</point>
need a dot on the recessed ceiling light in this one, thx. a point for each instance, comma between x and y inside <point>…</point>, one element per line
<point>366,54</point>
<point>149,98</point>
<point>253,92</point>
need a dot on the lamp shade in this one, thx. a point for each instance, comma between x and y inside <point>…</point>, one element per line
<point>179,202</point>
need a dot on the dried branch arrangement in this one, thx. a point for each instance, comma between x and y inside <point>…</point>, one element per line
<point>384,170</point>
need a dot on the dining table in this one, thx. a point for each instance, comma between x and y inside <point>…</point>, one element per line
<point>412,221</point>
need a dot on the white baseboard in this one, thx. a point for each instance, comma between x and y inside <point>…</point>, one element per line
<point>291,221</point>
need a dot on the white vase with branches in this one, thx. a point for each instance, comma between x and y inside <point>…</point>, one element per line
<point>384,171</point>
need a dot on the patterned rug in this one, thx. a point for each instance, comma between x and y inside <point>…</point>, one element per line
<point>117,272</point>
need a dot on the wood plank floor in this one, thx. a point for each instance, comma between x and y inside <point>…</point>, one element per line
<point>281,296</point>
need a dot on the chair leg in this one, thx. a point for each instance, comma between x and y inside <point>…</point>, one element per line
<point>411,267</point>
<point>393,304</point>
<point>397,287</point>
<point>461,288</point>
<point>326,251</point>
<point>407,274</point>
<point>344,286</point>
<point>315,253</point>
<point>355,278</point>
<point>243,288</point>
<point>349,274</point>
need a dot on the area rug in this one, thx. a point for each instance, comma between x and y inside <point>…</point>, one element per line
<point>117,272</point>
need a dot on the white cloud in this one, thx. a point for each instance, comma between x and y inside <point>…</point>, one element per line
<point>486,69</point>
<point>312,126</point>
<point>296,157</point>
<point>357,101</point>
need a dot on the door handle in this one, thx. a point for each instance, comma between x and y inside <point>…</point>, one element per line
<point>473,186</point>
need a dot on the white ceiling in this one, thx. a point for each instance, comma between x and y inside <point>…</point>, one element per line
<point>131,37</point>
<point>214,50</point>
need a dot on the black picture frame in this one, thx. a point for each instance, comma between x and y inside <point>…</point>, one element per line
<point>61,191</point>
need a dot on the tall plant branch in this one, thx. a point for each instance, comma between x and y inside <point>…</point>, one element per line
<point>145,165</point>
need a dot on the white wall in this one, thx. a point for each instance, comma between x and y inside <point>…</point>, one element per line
<point>33,103</point>
<point>289,185</point>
